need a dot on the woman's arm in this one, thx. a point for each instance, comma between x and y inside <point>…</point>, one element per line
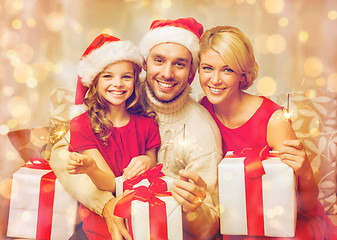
<point>281,137</point>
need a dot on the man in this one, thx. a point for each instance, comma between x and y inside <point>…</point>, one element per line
<point>191,143</point>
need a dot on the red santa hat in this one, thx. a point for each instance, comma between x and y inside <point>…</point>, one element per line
<point>185,31</point>
<point>104,50</point>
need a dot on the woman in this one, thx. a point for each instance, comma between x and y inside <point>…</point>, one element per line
<point>227,67</point>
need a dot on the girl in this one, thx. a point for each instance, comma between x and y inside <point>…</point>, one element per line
<point>227,67</point>
<point>115,136</point>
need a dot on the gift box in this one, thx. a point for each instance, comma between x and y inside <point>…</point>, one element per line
<point>40,208</point>
<point>151,211</point>
<point>257,195</point>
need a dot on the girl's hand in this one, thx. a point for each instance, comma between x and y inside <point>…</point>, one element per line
<point>137,166</point>
<point>294,155</point>
<point>79,163</point>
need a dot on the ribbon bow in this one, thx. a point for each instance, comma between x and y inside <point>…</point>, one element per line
<point>157,207</point>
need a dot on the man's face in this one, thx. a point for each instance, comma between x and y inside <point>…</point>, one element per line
<point>167,70</point>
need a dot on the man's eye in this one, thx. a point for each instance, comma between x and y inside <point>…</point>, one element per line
<point>158,60</point>
<point>180,64</point>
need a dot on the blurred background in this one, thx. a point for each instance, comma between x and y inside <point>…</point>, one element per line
<point>41,43</point>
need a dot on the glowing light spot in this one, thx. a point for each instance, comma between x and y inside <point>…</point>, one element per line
<point>303,36</point>
<point>48,188</point>
<point>276,44</point>
<point>251,1</point>
<point>320,81</point>
<point>26,216</point>
<point>9,39</point>
<point>31,82</point>
<point>78,28</point>
<point>19,109</point>
<point>283,22</point>
<point>4,129</point>
<point>145,2</point>
<point>274,223</point>
<point>31,22</point>
<point>332,15</point>
<point>239,1</point>
<point>270,213</point>
<point>274,6</point>
<point>224,3</point>
<point>311,94</point>
<point>22,73</point>
<point>8,91</point>
<point>261,44</point>
<point>314,132</point>
<point>55,21</point>
<point>266,86</point>
<point>166,3</point>
<point>49,66</point>
<point>332,82</point>
<point>40,71</point>
<point>313,67</point>
<point>191,216</point>
<point>12,123</point>
<point>5,189</point>
<point>13,6</point>
<point>108,31</point>
<point>83,212</point>
<point>24,52</point>
<point>16,24</point>
<point>279,210</point>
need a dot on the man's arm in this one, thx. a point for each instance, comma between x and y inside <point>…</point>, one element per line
<point>79,186</point>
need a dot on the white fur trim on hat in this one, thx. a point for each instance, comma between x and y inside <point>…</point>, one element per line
<point>174,35</point>
<point>108,53</point>
<point>77,110</point>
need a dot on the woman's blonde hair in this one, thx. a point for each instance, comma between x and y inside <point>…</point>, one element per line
<point>98,107</point>
<point>235,49</point>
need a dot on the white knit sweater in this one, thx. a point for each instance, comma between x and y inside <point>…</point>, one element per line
<point>190,140</point>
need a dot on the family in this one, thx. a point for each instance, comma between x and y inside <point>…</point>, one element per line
<point>123,126</point>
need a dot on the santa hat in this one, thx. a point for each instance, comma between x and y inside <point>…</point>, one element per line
<point>104,50</point>
<point>185,31</point>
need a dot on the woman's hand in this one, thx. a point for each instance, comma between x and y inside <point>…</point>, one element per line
<point>189,190</point>
<point>79,163</point>
<point>294,155</point>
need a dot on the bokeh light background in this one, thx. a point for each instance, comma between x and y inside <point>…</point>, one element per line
<point>41,43</point>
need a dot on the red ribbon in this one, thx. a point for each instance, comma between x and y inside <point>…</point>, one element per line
<point>46,199</point>
<point>38,163</point>
<point>253,171</point>
<point>157,207</point>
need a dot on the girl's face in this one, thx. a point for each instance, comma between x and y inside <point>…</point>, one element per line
<point>116,83</point>
<point>217,79</point>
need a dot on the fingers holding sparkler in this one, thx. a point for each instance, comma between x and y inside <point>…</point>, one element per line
<point>79,163</point>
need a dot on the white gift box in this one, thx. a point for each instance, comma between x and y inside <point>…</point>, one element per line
<point>24,206</point>
<point>278,194</point>
<point>140,217</point>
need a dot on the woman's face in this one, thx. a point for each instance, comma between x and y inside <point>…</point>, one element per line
<point>116,83</point>
<point>217,79</point>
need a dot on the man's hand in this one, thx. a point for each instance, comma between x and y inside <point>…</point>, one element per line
<point>115,224</point>
<point>189,190</point>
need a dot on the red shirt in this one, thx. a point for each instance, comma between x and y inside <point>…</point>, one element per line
<point>134,139</point>
<point>252,134</point>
